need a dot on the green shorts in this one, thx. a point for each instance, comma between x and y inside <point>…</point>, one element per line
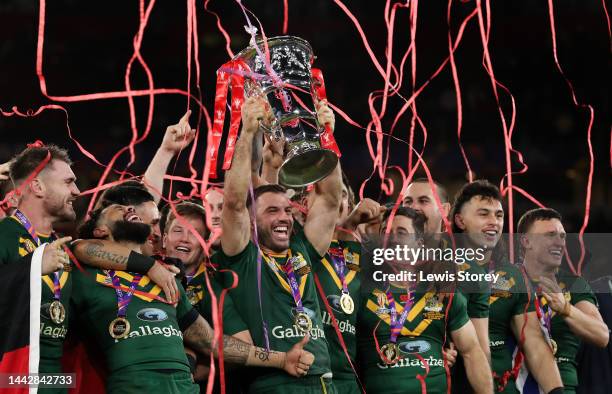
<point>305,385</point>
<point>151,382</point>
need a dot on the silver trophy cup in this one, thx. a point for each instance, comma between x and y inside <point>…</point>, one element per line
<point>295,119</point>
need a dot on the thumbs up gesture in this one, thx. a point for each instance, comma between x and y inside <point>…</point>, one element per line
<point>298,360</point>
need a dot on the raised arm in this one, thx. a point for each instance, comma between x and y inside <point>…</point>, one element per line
<point>476,364</point>
<point>111,255</point>
<point>538,355</point>
<point>272,159</point>
<point>176,138</point>
<point>367,211</point>
<point>235,222</point>
<point>296,362</point>
<point>325,208</point>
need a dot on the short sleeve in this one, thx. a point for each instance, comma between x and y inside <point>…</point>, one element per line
<point>232,322</point>
<point>581,291</point>
<point>184,308</point>
<point>523,295</point>
<point>224,260</point>
<point>303,244</point>
<point>458,312</point>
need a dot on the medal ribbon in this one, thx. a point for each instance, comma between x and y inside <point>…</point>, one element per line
<point>293,285</point>
<point>123,298</point>
<point>395,323</point>
<point>25,222</point>
<point>545,316</point>
<point>337,256</point>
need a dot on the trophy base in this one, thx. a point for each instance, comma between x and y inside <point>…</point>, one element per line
<point>306,166</point>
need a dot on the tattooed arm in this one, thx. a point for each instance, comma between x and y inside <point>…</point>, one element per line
<point>114,256</point>
<point>296,362</point>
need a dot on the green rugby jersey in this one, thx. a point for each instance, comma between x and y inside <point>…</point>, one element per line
<point>199,296</point>
<point>278,305</point>
<point>332,287</point>
<point>509,297</point>
<point>155,340</point>
<point>15,243</point>
<point>575,289</point>
<point>421,338</point>
<point>477,296</point>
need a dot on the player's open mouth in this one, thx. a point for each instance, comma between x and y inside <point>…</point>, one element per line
<point>556,252</point>
<point>281,231</point>
<point>132,217</point>
<point>183,249</point>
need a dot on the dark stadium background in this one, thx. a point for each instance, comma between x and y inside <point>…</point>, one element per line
<point>88,45</point>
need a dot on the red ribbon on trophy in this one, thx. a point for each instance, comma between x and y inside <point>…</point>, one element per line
<point>226,79</point>
<point>318,90</point>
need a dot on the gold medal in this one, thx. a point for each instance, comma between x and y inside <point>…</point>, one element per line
<point>346,303</point>
<point>303,322</point>
<point>119,328</point>
<point>390,353</point>
<point>57,312</point>
<point>553,346</point>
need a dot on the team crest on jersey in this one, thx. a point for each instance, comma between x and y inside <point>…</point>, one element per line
<point>352,261</point>
<point>433,308</point>
<point>381,299</point>
<point>194,294</point>
<point>26,246</point>
<point>501,288</point>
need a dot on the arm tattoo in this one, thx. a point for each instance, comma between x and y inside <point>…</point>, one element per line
<point>95,250</point>
<point>199,336</point>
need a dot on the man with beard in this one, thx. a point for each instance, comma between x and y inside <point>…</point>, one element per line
<point>135,194</point>
<point>565,303</point>
<point>420,196</point>
<point>478,214</point>
<point>140,336</point>
<point>46,196</point>
<point>285,307</point>
<point>404,320</point>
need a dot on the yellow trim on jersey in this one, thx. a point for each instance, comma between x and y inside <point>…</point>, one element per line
<point>49,281</point>
<point>282,280</point>
<point>144,281</point>
<point>332,272</point>
<point>414,312</point>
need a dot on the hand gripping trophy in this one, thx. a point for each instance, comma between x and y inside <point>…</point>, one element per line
<point>280,70</point>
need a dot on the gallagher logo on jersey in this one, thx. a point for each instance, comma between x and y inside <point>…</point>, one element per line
<point>334,303</point>
<point>411,347</point>
<point>152,314</point>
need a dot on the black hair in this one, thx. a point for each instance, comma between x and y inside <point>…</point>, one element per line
<point>126,195</point>
<point>86,229</point>
<point>481,188</point>
<point>530,217</point>
<point>269,188</point>
<point>418,219</point>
